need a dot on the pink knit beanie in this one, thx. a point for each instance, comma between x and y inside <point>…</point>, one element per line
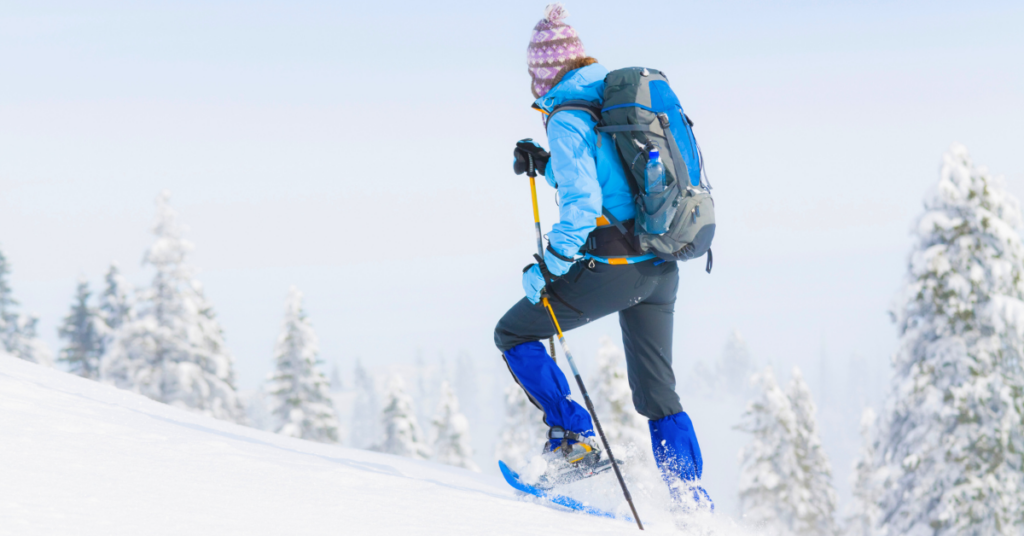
<point>552,48</point>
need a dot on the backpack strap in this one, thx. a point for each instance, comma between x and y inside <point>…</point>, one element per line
<point>626,128</point>
<point>592,109</point>
<point>615,221</point>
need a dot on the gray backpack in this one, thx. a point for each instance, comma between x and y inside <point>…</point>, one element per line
<point>641,111</point>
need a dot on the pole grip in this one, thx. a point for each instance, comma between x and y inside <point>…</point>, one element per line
<point>533,191</point>
<point>536,217</point>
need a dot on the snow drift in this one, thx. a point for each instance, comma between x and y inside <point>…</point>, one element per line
<point>84,458</point>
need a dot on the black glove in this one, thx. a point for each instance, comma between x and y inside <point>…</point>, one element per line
<point>525,149</point>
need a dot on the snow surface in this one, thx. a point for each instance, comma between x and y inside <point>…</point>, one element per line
<point>84,458</point>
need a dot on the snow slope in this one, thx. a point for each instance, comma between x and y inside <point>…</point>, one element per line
<point>78,457</point>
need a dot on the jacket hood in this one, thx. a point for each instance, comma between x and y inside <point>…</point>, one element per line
<point>585,83</point>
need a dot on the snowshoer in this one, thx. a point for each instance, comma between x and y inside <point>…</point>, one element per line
<point>591,270</point>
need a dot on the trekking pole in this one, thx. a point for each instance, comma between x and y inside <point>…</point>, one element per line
<point>568,356</point>
<point>532,173</point>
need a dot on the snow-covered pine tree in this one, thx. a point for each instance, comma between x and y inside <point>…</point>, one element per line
<point>300,395</point>
<point>117,306</point>
<point>8,306</point>
<point>18,331</point>
<point>467,386</point>
<point>173,351</point>
<point>365,431</point>
<point>25,342</point>
<point>423,390</point>
<point>474,407</point>
<point>769,469</point>
<point>730,373</point>
<point>452,445</point>
<point>402,434</point>
<point>863,512</point>
<point>814,497</point>
<point>735,366</point>
<point>702,379</point>
<point>613,401</point>
<point>83,330</point>
<point>951,448</point>
<point>523,432</point>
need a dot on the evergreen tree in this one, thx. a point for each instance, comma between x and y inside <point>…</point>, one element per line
<point>365,411</point>
<point>422,392</point>
<point>116,305</point>
<point>24,341</point>
<point>8,304</point>
<point>402,434</point>
<point>18,331</point>
<point>735,366</point>
<point>301,399</point>
<point>613,401</point>
<point>452,445</point>
<point>770,472</point>
<point>523,432</point>
<point>863,510</point>
<point>730,373</point>
<point>173,351</point>
<point>951,451</point>
<point>814,497</point>
<point>467,387</point>
<point>83,330</point>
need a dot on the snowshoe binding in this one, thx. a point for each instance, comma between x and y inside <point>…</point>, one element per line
<point>571,457</point>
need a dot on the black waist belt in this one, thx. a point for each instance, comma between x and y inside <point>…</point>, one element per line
<point>609,242</point>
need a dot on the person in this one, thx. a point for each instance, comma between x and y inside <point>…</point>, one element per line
<point>590,269</point>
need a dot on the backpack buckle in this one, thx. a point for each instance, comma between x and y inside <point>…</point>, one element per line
<point>663,119</point>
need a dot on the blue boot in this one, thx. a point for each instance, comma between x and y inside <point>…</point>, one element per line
<point>678,456</point>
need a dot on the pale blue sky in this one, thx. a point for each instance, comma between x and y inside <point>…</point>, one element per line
<point>361,151</point>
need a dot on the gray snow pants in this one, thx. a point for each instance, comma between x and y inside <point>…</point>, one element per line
<point>643,294</point>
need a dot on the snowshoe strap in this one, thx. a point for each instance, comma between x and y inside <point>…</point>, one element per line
<point>557,432</point>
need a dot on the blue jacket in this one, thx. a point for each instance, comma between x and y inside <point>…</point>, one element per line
<point>586,176</point>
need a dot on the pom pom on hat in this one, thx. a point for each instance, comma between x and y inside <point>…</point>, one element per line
<point>555,12</point>
<point>553,46</point>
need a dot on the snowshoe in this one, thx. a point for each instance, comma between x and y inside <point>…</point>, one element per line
<point>571,457</point>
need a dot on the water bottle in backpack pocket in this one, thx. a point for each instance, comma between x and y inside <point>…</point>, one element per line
<point>659,203</point>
